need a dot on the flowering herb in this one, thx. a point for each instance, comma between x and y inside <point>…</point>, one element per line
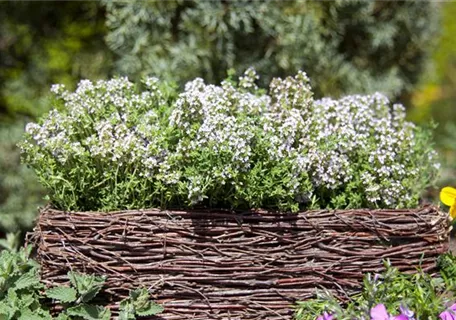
<point>108,145</point>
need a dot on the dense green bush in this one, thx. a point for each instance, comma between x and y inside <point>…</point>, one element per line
<point>345,46</point>
<point>109,146</point>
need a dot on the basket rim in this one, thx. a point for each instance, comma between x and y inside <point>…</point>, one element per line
<point>426,208</point>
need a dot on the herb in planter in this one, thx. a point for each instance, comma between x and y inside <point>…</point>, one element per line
<point>113,145</point>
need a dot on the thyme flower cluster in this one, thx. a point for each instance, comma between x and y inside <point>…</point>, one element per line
<point>114,145</point>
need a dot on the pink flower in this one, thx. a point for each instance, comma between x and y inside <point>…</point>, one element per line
<point>449,314</point>
<point>379,313</point>
<point>325,316</point>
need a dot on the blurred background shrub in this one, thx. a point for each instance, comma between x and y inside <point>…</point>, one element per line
<point>435,95</point>
<point>40,43</point>
<point>344,46</point>
<point>20,192</point>
<point>402,48</point>
<point>43,43</point>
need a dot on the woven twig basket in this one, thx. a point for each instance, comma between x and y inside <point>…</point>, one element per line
<point>223,265</point>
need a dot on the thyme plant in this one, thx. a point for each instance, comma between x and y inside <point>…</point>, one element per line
<point>113,145</point>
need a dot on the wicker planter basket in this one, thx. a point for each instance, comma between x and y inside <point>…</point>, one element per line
<point>245,265</point>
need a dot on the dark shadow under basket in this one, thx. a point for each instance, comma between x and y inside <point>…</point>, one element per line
<point>222,265</point>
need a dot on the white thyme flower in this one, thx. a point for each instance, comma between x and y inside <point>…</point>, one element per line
<point>231,143</point>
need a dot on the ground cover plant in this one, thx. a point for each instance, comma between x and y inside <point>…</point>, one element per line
<point>392,295</point>
<point>24,297</point>
<point>113,145</point>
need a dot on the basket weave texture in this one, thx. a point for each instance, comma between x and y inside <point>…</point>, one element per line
<point>244,265</point>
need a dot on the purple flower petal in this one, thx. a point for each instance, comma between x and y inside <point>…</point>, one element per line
<point>407,312</point>
<point>379,313</point>
<point>446,315</point>
<point>400,317</point>
<point>376,277</point>
<point>325,316</point>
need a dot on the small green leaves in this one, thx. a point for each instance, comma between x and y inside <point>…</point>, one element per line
<point>89,312</point>
<point>27,280</point>
<point>19,286</point>
<point>87,286</point>
<point>151,308</point>
<point>29,315</point>
<point>63,294</point>
<point>125,315</point>
<point>84,288</point>
<point>12,242</point>
<point>138,303</point>
<point>139,298</point>
<point>21,297</point>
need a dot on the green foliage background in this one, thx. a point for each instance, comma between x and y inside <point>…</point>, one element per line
<point>20,192</point>
<point>435,96</point>
<point>344,46</point>
<point>41,43</point>
<point>44,43</point>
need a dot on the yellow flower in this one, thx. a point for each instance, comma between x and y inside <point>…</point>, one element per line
<point>448,197</point>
